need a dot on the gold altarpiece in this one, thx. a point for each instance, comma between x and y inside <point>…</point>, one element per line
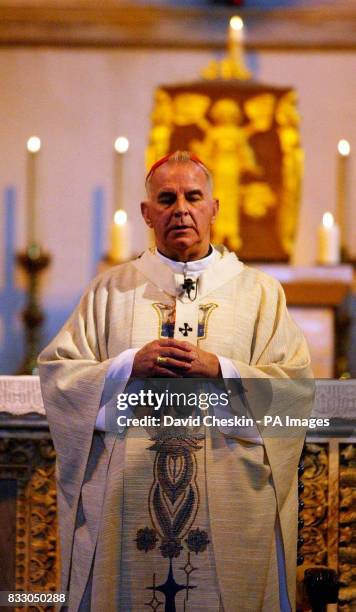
<point>247,134</point>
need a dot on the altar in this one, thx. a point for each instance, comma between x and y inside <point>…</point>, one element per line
<point>315,296</point>
<point>29,557</point>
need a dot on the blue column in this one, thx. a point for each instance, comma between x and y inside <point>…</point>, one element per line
<point>11,298</point>
<point>97,241</point>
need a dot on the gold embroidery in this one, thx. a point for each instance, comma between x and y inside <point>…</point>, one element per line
<point>166,319</point>
<point>205,311</point>
<point>167,314</point>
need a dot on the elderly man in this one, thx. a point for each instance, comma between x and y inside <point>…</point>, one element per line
<point>168,520</point>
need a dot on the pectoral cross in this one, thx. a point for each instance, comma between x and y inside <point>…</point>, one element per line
<point>186,329</point>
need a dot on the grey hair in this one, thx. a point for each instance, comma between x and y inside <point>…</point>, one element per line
<point>181,157</point>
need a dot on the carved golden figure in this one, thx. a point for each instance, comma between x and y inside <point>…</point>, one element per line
<point>260,110</point>
<point>162,124</point>
<point>292,167</point>
<point>191,108</point>
<point>226,151</point>
<point>257,198</point>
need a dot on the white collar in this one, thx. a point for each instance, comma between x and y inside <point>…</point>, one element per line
<point>193,268</point>
<point>224,268</point>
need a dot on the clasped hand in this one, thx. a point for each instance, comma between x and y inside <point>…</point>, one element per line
<point>180,359</point>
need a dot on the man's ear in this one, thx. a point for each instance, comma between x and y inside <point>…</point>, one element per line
<point>216,205</point>
<point>145,214</point>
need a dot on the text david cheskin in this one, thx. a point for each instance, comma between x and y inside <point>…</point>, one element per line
<point>203,401</point>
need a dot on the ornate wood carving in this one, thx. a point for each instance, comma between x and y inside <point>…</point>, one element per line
<point>315,511</point>
<point>329,513</point>
<point>347,523</point>
<point>31,463</point>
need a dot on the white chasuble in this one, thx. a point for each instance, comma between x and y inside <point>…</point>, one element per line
<point>160,519</point>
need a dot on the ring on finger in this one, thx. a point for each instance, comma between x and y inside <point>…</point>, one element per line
<point>161,359</point>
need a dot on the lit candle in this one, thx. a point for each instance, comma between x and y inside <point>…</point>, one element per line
<point>236,30</point>
<point>33,148</point>
<point>328,241</point>
<point>234,66</point>
<point>121,146</point>
<point>235,39</point>
<point>120,237</point>
<point>343,149</point>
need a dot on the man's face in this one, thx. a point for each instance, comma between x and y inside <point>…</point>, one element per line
<point>180,209</point>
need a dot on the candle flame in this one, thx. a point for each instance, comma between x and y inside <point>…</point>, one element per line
<point>120,217</point>
<point>343,146</point>
<point>121,144</point>
<point>34,144</point>
<point>328,220</point>
<point>236,23</point>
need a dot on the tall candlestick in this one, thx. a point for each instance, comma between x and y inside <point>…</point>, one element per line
<point>343,154</point>
<point>120,249</point>
<point>33,148</point>
<point>328,241</point>
<point>121,146</point>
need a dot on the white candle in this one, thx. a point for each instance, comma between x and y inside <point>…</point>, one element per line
<point>236,29</point>
<point>120,238</point>
<point>328,241</point>
<point>33,148</point>
<point>235,67</point>
<point>343,149</point>
<point>121,146</point>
